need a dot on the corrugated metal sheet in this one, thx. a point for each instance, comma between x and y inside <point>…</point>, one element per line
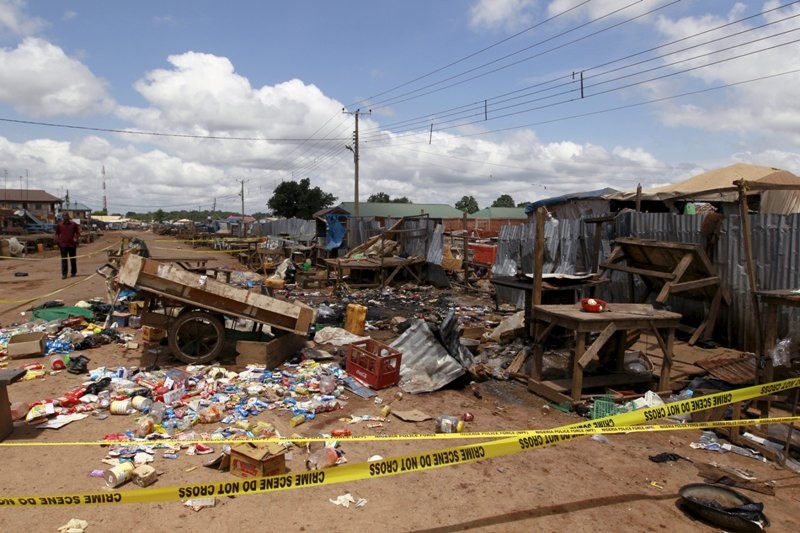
<point>296,228</point>
<point>776,252</point>
<point>736,371</point>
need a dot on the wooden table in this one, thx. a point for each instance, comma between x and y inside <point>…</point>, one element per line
<point>377,265</point>
<point>569,292</point>
<point>7,376</point>
<point>616,321</point>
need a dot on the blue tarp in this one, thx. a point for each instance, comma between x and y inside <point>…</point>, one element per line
<point>530,208</point>
<point>335,233</point>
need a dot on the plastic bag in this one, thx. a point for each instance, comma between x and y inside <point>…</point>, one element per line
<point>781,353</point>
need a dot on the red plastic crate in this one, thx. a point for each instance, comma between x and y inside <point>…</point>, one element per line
<point>483,253</point>
<point>365,363</point>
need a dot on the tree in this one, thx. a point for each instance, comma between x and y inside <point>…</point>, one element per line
<point>523,204</point>
<point>383,198</point>
<point>379,198</point>
<point>504,200</point>
<point>298,199</point>
<point>159,216</point>
<point>467,204</point>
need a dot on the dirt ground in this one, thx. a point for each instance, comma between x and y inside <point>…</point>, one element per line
<point>582,485</point>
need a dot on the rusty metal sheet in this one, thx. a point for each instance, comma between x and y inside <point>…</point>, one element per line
<point>736,371</point>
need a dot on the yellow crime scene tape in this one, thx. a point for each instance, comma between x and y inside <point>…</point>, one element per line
<point>581,431</point>
<point>194,251</point>
<point>56,258</point>
<point>416,462</point>
<point>41,296</point>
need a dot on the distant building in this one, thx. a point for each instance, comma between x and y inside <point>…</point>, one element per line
<point>77,211</point>
<point>37,202</point>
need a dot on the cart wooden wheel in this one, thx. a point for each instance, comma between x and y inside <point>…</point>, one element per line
<point>196,337</point>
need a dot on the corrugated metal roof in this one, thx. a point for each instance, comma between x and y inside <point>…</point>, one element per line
<point>500,212</point>
<point>395,210</point>
<point>28,195</point>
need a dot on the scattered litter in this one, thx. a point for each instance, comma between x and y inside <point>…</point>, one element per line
<point>199,503</point>
<point>412,415</point>
<point>346,499</point>
<point>62,420</point>
<point>666,457</point>
<point>75,525</point>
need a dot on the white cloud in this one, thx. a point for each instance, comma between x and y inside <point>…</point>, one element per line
<point>14,20</point>
<point>608,9</point>
<point>39,79</point>
<point>767,108</point>
<point>501,14</point>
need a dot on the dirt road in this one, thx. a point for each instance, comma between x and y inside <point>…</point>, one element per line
<point>579,486</point>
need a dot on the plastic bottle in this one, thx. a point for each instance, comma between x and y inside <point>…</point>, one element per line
<point>103,399</point>
<point>341,433</point>
<point>327,384</point>
<point>210,414</point>
<point>140,403</point>
<point>144,426</point>
<point>157,411</point>
<point>449,424</point>
<point>322,458</point>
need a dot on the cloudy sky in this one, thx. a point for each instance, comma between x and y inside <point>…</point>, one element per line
<point>182,101</point>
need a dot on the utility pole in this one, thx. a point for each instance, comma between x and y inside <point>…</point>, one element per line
<point>354,149</point>
<point>105,203</point>
<point>242,195</point>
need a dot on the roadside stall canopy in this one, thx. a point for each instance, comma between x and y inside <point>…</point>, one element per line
<point>717,186</point>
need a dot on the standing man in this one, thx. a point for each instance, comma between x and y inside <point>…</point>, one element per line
<point>67,234</point>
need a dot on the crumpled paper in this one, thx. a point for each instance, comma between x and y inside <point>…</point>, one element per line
<point>199,503</point>
<point>346,499</point>
<point>74,525</point>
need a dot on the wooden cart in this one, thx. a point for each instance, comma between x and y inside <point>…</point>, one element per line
<point>192,307</point>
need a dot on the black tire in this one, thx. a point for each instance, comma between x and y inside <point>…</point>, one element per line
<point>196,337</point>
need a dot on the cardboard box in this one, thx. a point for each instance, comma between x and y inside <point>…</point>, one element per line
<point>151,334</point>
<point>26,345</point>
<point>270,354</point>
<point>258,459</point>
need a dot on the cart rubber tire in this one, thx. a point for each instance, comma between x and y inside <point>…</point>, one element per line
<point>196,337</point>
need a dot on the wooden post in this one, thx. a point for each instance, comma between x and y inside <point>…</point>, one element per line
<point>466,247</point>
<point>752,280</point>
<point>751,269</point>
<point>639,198</point>
<point>538,257</point>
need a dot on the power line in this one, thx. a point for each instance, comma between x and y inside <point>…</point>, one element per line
<point>479,116</point>
<point>160,134</point>
<point>400,98</point>
<point>479,106</point>
<point>473,54</point>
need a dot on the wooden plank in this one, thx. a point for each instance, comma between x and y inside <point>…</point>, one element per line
<point>696,284</point>
<point>577,370</point>
<point>597,345</point>
<point>543,389</point>
<point>562,386</point>
<point>641,271</point>
<point>678,273</point>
